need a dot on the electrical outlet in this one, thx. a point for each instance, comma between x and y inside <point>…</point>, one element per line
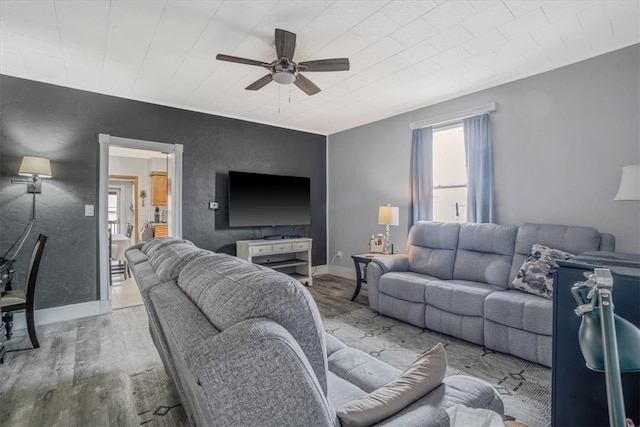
<point>339,254</point>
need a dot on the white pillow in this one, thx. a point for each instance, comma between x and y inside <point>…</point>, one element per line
<point>425,374</point>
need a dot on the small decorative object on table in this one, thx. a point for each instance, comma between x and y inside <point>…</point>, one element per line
<point>376,244</point>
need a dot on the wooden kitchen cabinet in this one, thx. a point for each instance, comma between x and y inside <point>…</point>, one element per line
<point>159,230</point>
<point>158,188</point>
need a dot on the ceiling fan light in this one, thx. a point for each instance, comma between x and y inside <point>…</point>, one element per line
<point>284,77</point>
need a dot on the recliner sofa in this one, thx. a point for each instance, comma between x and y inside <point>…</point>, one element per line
<point>456,279</point>
<point>245,345</point>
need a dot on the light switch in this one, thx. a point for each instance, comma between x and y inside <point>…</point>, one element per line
<point>213,205</point>
<point>88,210</point>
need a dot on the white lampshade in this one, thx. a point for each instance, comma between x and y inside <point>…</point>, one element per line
<point>388,215</point>
<point>35,166</point>
<point>629,184</point>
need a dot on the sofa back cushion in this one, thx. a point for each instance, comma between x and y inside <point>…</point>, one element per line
<point>567,238</point>
<point>432,248</point>
<point>229,290</point>
<point>148,248</point>
<point>169,260</point>
<point>484,253</point>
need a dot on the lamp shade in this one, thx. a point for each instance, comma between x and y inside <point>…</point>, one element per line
<point>629,184</point>
<point>591,340</point>
<point>388,215</point>
<point>35,166</point>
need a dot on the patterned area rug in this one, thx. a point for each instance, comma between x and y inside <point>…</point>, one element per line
<point>525,387</point>
<point>157,403</point>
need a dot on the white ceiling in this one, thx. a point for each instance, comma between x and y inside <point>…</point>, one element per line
<point>404,54</point>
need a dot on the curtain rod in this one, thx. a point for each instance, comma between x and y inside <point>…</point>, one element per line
<point>446,119</point>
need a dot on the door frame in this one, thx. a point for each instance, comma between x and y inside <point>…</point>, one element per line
<point>175,185</point>
<point>135,198</point>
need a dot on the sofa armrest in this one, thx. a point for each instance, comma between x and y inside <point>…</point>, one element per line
<point>399,262</point>
<point>379,266</point>
<point>607,242</point>
<point>255,372</point>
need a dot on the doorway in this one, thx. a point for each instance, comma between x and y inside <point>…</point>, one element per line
<point>172,155</point>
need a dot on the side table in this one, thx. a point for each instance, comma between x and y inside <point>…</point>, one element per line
<point>360,259</point>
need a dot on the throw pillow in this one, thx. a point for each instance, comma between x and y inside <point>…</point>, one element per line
<point>535,275</point>
<point>425,374</point>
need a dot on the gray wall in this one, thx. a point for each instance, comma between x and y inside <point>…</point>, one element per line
<point>560,140</point>
<point>63,125</point>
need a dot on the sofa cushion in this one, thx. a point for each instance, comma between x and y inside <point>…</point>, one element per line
<point>170,260</point>
<point>333,344</point>
<point>229,290</point>
<point>154,244</point>
<point>135,256</point>
<point>361,369</point>
<point>425,374</point>
<point>407,286</point>
<point>146,278</point>
<point>520,310</point>
<point>431,248</point>
<point>536,274</point>
<point>566,238</point>
<point>459,296</point>
<point>484,253</point>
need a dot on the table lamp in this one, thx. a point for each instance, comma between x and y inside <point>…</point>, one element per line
<point>599,335</point>
<point>388,215</point>
<point>629,184</point>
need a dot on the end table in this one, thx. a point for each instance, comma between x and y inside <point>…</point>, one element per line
<point>360,259</point>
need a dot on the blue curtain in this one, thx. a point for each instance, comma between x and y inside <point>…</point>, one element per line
<point>477,141</point>
<point>421,176</point>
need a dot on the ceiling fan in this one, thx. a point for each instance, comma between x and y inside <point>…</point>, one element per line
<point>284,70</point>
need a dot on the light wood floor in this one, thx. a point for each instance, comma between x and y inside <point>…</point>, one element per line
<point>80,374</point>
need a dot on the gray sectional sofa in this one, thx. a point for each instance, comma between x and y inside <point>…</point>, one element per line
<point>245,345</point>
<point>456,279</point>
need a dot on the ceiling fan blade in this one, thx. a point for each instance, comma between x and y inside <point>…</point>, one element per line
<point>285,44</point>
<point>306,85</point>
<point>335,64</point>
<point>260,83</point>
<point>230,58</point>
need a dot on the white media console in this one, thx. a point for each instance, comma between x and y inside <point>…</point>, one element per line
<point>289,256</point>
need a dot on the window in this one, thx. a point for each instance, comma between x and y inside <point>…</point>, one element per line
<point>449,175</point>
<point>112,211</point>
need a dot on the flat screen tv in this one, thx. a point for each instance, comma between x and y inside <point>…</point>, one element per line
<point>267,200</point>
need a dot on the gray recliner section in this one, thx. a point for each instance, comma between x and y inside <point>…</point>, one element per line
<point>245,345</point>
<point>456,279</point>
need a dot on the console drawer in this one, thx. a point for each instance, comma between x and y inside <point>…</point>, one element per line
<point>279,248</point>
<point>260,249</point>
<point>300,246</point>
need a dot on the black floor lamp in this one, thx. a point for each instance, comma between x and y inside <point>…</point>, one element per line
<point>609,343</point>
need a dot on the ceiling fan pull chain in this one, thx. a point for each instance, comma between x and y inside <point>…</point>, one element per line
<point>289,94</point>
<point>279,89</point>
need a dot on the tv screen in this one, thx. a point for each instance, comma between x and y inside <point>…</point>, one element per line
<point>268,200</point>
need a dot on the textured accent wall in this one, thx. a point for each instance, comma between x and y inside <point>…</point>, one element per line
<point>63,124</point>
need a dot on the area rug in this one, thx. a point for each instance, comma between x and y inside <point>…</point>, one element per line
<point>525,387</point>
<point>156,401</point>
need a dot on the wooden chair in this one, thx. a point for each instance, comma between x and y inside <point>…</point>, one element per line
<point>24,299</point>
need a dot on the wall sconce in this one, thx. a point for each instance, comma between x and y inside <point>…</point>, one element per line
<point>36,168</point>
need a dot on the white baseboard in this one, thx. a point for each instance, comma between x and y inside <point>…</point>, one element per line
<point>346,273</point>
<point>65,312</point>
<point>319,270</point>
